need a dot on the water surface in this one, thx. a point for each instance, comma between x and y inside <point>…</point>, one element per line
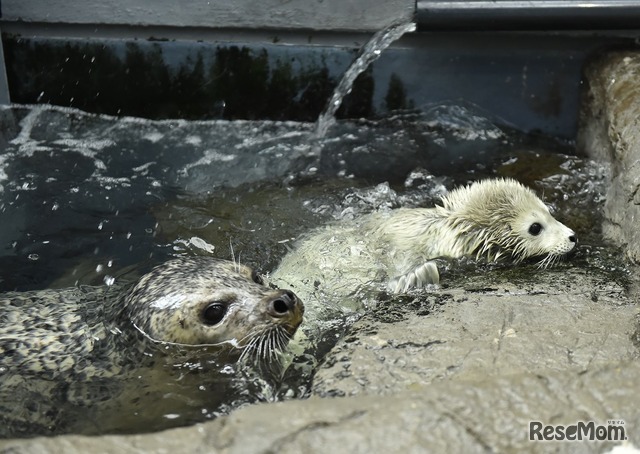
<point>91,199</point>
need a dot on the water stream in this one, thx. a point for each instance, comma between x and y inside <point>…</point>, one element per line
<point>367,55</point>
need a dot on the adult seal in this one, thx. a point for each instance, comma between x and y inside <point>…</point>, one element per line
<point>52,341</point>
<point>493,219</point>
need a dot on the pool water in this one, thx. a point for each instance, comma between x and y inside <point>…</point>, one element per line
<point>94,200</point>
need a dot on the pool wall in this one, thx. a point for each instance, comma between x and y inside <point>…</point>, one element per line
<point>280,61</point>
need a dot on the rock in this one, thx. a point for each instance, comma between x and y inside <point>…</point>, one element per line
<point>451,416</point>
<point>567,320</point>
<point>609,132</point>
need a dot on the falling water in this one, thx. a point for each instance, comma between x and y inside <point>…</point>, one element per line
<point>368,54</point>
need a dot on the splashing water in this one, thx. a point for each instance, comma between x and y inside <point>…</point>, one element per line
<point>369,53</point>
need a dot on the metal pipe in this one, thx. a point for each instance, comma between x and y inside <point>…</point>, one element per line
<point>528,15</point>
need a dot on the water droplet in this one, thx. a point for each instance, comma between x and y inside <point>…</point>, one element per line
<point>33,257</point>
<point>109,280</point>
<point>228,369</point>
<point>99,268</point>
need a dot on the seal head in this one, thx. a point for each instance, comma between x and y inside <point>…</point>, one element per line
<point>64,351</point>
<point>207,301</point>
<point>502,218</point>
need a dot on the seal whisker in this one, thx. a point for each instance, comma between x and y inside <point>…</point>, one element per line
<point>549,260</point>
<point>249,349</point>
<point>252,335</point>
<point>233,257</point>
<point>272,352</point>
<point>265,347</point>
<point>256,343</point>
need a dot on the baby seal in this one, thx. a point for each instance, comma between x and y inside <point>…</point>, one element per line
<point>492,219</point>
<point>54,341</point>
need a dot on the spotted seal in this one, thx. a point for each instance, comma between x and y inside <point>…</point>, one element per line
<point>492,219</point>
<point>53,341</point>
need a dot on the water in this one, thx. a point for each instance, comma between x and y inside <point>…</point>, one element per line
<point>96,200</point>
<point>89,199</point>
<point>367,55</point>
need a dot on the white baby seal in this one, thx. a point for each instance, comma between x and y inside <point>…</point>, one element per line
<point>492,219</point>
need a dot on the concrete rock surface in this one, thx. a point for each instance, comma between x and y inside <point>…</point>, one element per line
<point>610,131</point>
<point>569,321</point>
<point>456,416</point>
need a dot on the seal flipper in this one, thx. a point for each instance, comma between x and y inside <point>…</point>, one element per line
<point>423,275</point>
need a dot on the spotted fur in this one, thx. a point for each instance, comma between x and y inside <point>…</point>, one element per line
<point>53,341</point>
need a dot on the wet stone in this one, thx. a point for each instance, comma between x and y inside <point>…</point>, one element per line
<point>609,133</point>
<point>456,416</point>
<point>567,320</point>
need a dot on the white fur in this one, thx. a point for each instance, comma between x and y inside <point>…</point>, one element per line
<point>489,219</point>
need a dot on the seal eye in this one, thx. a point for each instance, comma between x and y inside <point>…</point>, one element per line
<point>214,313</point>
<point>255,277</point>
<point>535,229</point>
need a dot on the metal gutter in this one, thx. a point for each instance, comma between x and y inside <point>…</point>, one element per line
<point>527,15</point>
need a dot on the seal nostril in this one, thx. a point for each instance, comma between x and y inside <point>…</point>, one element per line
<point>283,304</point>
<point>573,239</point>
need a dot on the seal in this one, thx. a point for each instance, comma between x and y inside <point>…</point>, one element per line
<point>491,219</point>
<point>65,337</point>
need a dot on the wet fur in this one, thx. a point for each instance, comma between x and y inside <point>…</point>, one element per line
<point>53,342</point>
<point>489,219</point>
